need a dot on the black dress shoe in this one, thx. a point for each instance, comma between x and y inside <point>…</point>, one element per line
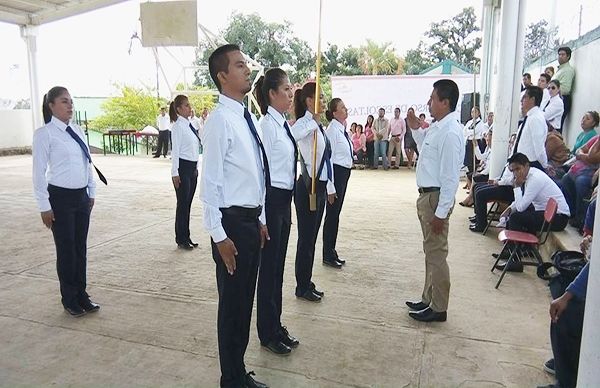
<point>473,218</point>
<point>278,347</point>
<point>428,315</point>
<point>287,339</point>
<point>477,228</point>
<point>416,306</point>
<point>156,156</point>
<point>74,310</point>
<point>88,306</point>
<point>313,287</point>
<point>185,246</point>
<point>512,267</point>
<point>251,383</point>
<point>332,263</point>
<point>193,244</point>
<point>310,296</point>
<point>342,261</point>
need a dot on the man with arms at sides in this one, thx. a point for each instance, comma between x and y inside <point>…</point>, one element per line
<point>235,174</point>
<point>381,128</point>
<point>531,135</point>
<point>565,75</point>
<point>438,173</point>
<point>397,131</point>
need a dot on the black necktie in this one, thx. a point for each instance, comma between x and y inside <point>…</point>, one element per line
<point>327,154</point>
<point>260,146</point>
<point>519,136</point>
<point>195,131</point>
<point>289,133</point>
<point>349,144</point>
<point>545,106</point>
<point>523,188</point>
<point>86,153</point>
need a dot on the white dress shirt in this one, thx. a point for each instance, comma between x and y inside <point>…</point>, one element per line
<point>553,111</point>
<point>418,135</point>
<point>59,160</point>
<point>185,144</point>
<point>232,170</point>
<point>539,187</point>
<point>474,128</point>
<point>545,97</point>
<point>341,148</point>
<point>197,123</point>
<point>163,122</point>
<point>440,160</point>
<point>279,149</point>
<point>303,130</point>
<point>533,140</point>
<point>487,128</point>
<point>484,158</point>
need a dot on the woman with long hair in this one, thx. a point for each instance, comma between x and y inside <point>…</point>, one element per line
<point>65,191</point>
<point>306,127</point>
<point>370,136</point>
<point>273,92</point>
<point>359,144</point>
<point>184,169</point>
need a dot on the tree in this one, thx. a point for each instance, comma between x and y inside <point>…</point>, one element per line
<point>133,109</point>
<point>377,59</point>
<point>539,40</point>
<point>452,39</point>
<point>271,44</point>
<point>199,101</point>
<point>341,62</point>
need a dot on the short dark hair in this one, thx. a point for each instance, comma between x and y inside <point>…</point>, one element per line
<point>382,108</point>
<point>555,82</point>
<point>546,77</point>
<point>519,158</point>
<point>566,49</point>
<point>447,89</point>
<point>527,75</point>
<point>219,61</point>
<point>422,115</point>
<point>534,92</point>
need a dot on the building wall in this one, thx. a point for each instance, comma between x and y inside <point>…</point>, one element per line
<point>15,128</point>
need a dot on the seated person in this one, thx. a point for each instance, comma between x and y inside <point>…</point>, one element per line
<point>533,189</point>
<point>483,171</point>
<point>577,183</point>
<point>557,152</point>
<point>589,122</point>
<point>566,314</point>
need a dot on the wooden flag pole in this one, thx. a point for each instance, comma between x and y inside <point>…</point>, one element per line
<point>313,191</point>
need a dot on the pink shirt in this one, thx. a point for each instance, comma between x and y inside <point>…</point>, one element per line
<point>369,133</point>
<point>359,141</point>
<point>397,127</point>
<point>579,165</point>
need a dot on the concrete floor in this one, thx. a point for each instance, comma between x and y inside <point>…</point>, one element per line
<point>157,324</point>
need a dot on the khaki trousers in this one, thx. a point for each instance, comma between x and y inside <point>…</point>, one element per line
<point>436,291</point>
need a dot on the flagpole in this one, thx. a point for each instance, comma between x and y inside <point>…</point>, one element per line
<point>313,191</point>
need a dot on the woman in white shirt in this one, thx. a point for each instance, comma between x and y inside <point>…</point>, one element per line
<point>64,187</point>
<point>341,158</point>
<point>273,92</point>
<point>473,130</point>
<point>305,128</point>
<point>184,169</point>
<point>554,108</point>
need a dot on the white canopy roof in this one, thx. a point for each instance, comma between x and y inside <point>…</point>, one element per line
<point>38,12</point>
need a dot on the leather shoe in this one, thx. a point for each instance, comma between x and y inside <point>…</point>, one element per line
<point>313,287</point>
<point>193,244</point>
<point>251,383</point>
<point>88,306</point>
<point>334,263</point>
<point>287,339</point>
<point>512,267</point>
<point>277,347</point>
<point>476,228</point>
<point>185,246</point>
<point>428,315</point>
<point>473,218</point>
<point>310,296</point>
<point>74,310</point>
<point>416,306</point>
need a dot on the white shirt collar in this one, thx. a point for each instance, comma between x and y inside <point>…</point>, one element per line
<point>450,116</point>
<point>183,120</point>
<point>232,104</point>
<point>61,125</point>
<point>533,110</point>
<point>336,124</point>
<point>276,115</point>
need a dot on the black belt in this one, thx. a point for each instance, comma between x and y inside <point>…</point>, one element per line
<point>428,189</point>
<point>245,212</point>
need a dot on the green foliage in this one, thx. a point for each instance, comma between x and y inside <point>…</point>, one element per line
<point>417,60</point>
<point>376,59</point>
<point>199,101</point>
<point>133,109</point>
<point>539,40</point>
<point>341,62</point>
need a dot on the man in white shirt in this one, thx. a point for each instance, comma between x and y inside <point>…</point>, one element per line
<point>438,173</point>
<point>532,190</point>
<point>543,84</point>
<point>163,123</point>
<point>397,131</point>
<point>235,174</point>
<point>531,136</point>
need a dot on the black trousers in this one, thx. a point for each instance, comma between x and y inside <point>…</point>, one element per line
<point>531,221</point>
<point>308,229</point>
<point>236,294</point>
<point>332,215</point>
<point>567,105</point>
<point>163,142</point>
<point>278,210</point>
<point>484,193</point>
<point>188,174</point>
<point>371,153</point>
<point>71,209</point>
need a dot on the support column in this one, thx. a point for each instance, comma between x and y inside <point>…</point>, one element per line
<point>29,34</point>
<point>588,374</point>
<point>487,60</point>
<point>508,90</point>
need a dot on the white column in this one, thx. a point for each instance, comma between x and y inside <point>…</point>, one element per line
<point>29,34</point>
<point>508,90</point>
<point>589,356</point>
<point>487,62</point>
